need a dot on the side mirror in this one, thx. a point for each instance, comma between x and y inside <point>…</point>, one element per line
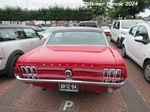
<point>41,36</point>
<point>140,39</point>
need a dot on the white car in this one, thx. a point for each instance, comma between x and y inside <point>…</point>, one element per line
<point>136,45</point>
<point>15,40</point>
<point>119,29</point>
<point>106,29</point>
<point>48,31</point>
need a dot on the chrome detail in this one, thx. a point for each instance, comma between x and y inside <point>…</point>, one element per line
<point>112,73</point>
<point>87,70</point>
<point>110,90</point>
<point>29,71</point>
<point>71,81</point>
<point>40,68</point>
<point>118,73</point>
<point>106,73</point>
<point>68,73</point>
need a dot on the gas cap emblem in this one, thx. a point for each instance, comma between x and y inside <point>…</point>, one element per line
<point>68,73</point>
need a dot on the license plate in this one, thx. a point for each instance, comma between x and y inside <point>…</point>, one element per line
<point>69,87</point>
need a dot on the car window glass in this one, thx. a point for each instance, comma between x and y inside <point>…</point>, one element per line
<point>114,25</point>
<point>132,30</point>
<point>21,34</point>
<point>30,33</point>
<point>77,38</point>
<point>142,31</point>
<point>90,24</point>
<point>128,24</point>
<point>118,25</point>
<point>7,34</point>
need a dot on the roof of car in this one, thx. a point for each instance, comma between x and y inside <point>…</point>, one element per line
<point>78,29</point>
<point>13,26</point>
<point>130,20</point>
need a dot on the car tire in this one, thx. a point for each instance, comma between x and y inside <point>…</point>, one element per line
<point>12,67</point>
<point>123,52</point>
<point>146,71</point>
<point>111,39</point>
<point>118,43</point>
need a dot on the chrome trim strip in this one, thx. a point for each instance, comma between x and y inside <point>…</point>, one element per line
<point>50,68</point>
<point>70,81</point>
<point>87,70</point>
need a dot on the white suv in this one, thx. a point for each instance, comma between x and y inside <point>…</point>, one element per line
<point>16,40</point>
<point>119,29</point>
<point>136,45</point>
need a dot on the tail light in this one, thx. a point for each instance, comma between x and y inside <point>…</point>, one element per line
<point>29,71</point>
<point>115,74</point>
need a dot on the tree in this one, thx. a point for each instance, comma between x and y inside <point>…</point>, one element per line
<point>99,7</point>
<point>128,9</point>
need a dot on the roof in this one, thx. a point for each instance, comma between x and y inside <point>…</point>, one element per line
<point>13,26</point>
<point>92,29</point>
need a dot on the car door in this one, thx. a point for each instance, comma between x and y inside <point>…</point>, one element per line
<point>113,30</point>
<point>25,43</point>
<point>139,48</point>
<point>117,32</point>
<point>129,41</point>
<point>33,38</point>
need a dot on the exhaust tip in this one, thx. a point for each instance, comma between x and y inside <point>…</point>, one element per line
<point>110,90</point>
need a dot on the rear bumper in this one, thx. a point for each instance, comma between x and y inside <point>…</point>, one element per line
<point>108,84</point>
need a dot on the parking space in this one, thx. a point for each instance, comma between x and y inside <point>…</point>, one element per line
<point>16,96</point>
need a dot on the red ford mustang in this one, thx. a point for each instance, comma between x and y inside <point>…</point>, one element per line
<point>74,59</point>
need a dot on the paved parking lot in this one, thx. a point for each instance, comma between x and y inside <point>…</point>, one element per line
<point>134,96</point>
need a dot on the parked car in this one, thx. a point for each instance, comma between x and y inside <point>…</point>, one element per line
<point>74,59</point>
<point>88,24</point>
<point>16,40</point>
<point>38,29</point>
<point>48,31</point>
<point>106,29</point>
<point>119,29</point>
<point>137,46</point>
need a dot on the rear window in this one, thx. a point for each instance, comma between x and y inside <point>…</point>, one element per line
<point>77,38</point>
<point>88,24</point>
<point>128,24</point>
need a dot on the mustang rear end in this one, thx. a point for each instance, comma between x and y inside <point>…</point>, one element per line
<point>73,68</point>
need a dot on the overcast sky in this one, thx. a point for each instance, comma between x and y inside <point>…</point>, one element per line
<point>36,4</point>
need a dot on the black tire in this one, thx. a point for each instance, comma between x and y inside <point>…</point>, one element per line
<point>123,52</point>
<point>11,69</point>
<point>111,39</point>
<point>146,71</point>
<point>118,43</point>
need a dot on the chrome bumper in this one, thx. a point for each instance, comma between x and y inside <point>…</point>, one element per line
<point>71,81</point>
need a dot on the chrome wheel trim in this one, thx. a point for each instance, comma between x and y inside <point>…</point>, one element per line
<point>147,72</point>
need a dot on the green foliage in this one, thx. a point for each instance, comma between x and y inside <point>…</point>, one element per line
<point>129,9</point>
<point>99,7</point>
<point>55,13</point>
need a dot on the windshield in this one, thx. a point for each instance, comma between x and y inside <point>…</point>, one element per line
<point>76,38</point>
<point>50,29</point>
<point>128,24</point>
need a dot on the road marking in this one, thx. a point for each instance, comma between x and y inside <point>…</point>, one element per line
<point>67,105</point>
